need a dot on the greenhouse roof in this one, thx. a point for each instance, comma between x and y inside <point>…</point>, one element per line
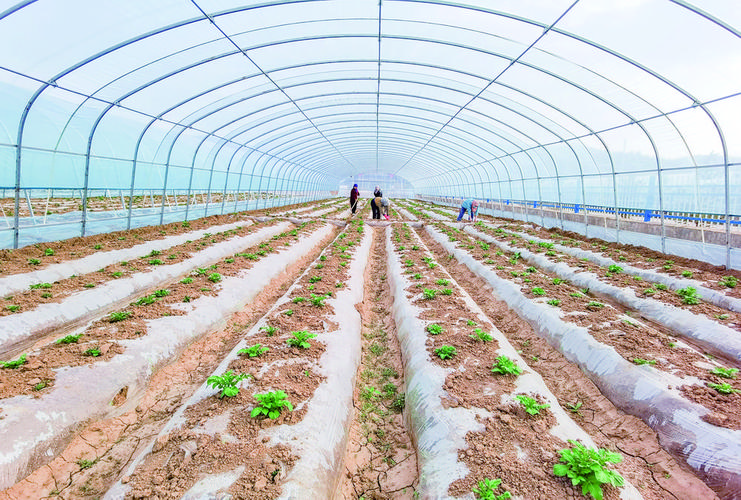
<point>542,95</point>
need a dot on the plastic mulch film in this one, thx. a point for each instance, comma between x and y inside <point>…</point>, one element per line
<point>37,429</point>
<point>708,294</point>
<point>438,432</point>
<point>18,331</point>
<point>714,453</point>
<point>20,282</point>
<point>320,439</point>
<point>713,336</point>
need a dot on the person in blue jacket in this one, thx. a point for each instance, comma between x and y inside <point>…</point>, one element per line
<point>472,207</point>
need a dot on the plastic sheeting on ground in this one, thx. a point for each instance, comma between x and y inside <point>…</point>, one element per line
<point>320,438</point>
<point>714,453</point>
<point>18,331</point>
<point>440,432</point>
<point>37,429</point>
<point>717,338</point>
<point>674,283</point>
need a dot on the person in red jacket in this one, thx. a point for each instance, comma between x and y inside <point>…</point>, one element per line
<point>354,194</point>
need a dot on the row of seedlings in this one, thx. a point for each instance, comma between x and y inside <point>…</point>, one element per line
<point>643,369</point>
<point>692,280</point>
<point>272,420</point>
<point>681,268</point>
<point>679,292</point>
<point>85,289</point>
<point>59,384</point>
<point>714,336</point>
<point>484,422</point>
<point>42,256</point>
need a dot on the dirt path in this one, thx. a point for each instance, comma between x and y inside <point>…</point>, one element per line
<point>380,462</point>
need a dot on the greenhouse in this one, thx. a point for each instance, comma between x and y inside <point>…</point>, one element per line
<point>370,249</point>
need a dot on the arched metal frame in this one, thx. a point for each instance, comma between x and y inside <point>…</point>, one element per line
<point>306,142</point>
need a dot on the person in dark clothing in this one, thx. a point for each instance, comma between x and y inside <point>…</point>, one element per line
<point>354,194</point>
<point>376,203</point>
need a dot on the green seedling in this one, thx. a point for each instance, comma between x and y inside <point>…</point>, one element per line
<point>531,270</point>
<point>85,464</point>
<point>505,366</point>
<point>576,294</point>
<point>227,261</point>
<point>724,372</point>
<point>434,329</point>
<point>442,282</point>
<point>269,330</point>
<point>227,383</point>
<point>116,274</point>
<point>724,388</point>
<point>574,408</point>
<point>471,322</point>
<point>93,352</point>
<point>89,285</point>
<point>649,291</point>
<point>14,363</point>
<point>253,351</point>
<point>49,252</point>
<point>38,286</point>
<point>146,300</point>
<point>314,279</point>
<point>481,335</point>
<point>660,286</point>
<point>300,339</point>
<point>161,293</point>
<point>595,305</point>
<point>445,352</point>
<point>515,256</point>
<point>317,300</point>
<point>545,244</point>
<point>689,295</point>
<point>722,317</point>
<point>115,317</point>
<point>615,269</point>
<point>587,467</point>
<point>429,293</point>
<point>409,262</point>
<point>557,281</point>
<point>69,339</point>
<point>298,300</point>
<point>270,404</point>
<point>446,291</point>
<point>531,406</point>
<point>485,490</point>
<point>187,298</point>
<point>554,302</point>
<point>34,262</point>
<point>214,277</point>
<point>186,281</point>
<point>155,262</point>
<point>370,393</point>
<point>641,361</point>
<point>154,253</point>
<point>288,312</point>
<point>538,291</point>
<point>728,282</point>
<point>687,274</point>
<point>13,308</point>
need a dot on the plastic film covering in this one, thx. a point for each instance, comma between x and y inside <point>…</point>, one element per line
<point>320,438</point>
<point>98,260</point>
<point>714,453</point>
<point>34,434</point>
<point>439,458</point>
<point>674,283</point>
<point>715,337</point>
<point>18,331</point>
<point>438,432</point>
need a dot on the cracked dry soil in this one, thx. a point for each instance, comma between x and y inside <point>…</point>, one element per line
<point>380,461</point>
